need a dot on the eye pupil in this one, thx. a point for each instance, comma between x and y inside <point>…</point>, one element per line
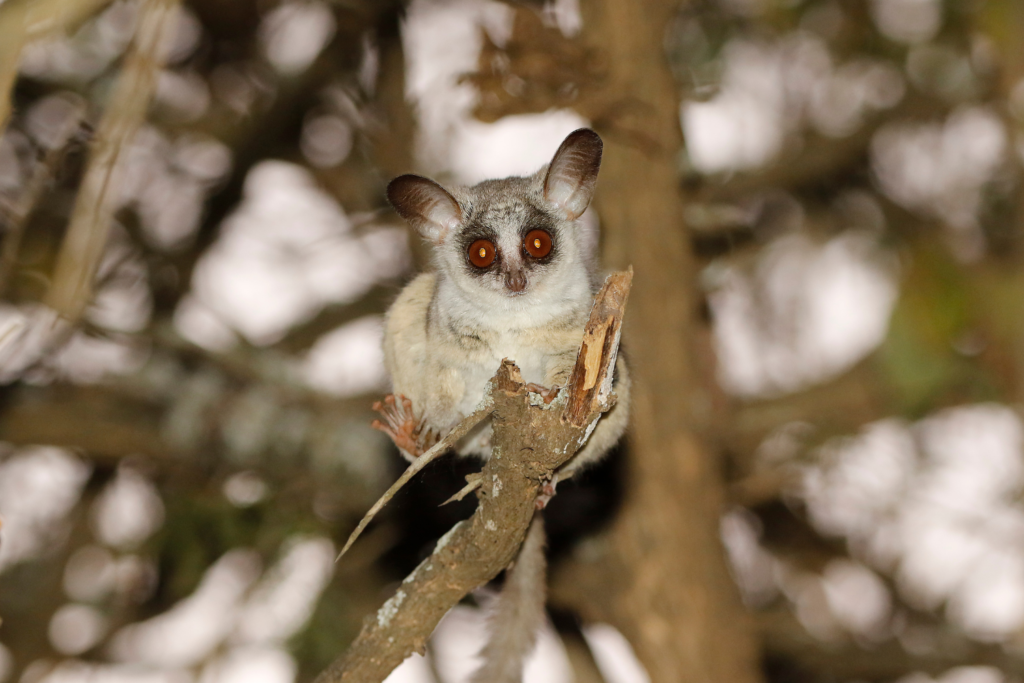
<point>537,243</point>
<point>481,253</point>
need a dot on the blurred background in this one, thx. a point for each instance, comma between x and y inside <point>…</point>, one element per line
<point>823,202</point>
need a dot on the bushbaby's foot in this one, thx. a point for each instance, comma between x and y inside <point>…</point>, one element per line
<point>547,394</point>
<point>547,492</point>
<point>411,437</point>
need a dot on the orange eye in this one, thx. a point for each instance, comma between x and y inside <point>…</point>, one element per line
<point>481,253</point>
<point>537,243</point>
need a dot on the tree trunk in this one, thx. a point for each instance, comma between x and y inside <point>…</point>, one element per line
<point>663,580</point>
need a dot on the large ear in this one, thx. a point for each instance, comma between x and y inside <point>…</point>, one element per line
<point>426,205</point>
<point>572,174</point>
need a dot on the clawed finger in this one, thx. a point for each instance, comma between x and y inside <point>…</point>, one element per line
<point>400,424</point>
<point>548,394</point>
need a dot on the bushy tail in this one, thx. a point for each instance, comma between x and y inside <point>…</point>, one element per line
<point>519,612</point>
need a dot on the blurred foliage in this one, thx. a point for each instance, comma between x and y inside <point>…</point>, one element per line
<point>194,418</point>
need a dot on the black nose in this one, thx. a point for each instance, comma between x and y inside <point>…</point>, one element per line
<point>515,281</point>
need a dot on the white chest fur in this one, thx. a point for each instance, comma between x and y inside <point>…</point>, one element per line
<point>532,330</point>
<point>478,367</point>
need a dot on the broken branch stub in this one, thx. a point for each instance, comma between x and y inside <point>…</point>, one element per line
<point>528,444</point>
<point>590,383</point>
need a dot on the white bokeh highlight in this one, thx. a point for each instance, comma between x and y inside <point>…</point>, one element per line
<point>128,510</point>
<point>76,628</point>
<point>941,169</point>
<point>907,21</point>
<point>286,252</point>
<point>458,638</point>
<point>294,33</point>
<point>936,504</point>
<point>348,360</point>
<point>237,622</point>
<point>808,311</point>
<point>770,92</point>
<point>39,486</point>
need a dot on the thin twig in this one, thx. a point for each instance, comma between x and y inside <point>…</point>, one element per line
<point>474,481</point>
<point>34,19</point>
<point>10,330</point>
<point>16,217</point>
<point>10,56</point>
<point>438,449</point>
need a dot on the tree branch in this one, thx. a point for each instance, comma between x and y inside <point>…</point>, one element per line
<point>530,441</point>
<point>15,216</point>
<point>33,19</point>
<point>86,238</point>
<point>10,56</point>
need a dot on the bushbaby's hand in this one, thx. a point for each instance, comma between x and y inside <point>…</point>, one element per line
<point>547,394</point>
<point>412,438</point>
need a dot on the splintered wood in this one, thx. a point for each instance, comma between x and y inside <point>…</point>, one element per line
<point>529,443</point>
<point>590,384</point>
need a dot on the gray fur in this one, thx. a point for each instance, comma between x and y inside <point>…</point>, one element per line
<point>449,330</point>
